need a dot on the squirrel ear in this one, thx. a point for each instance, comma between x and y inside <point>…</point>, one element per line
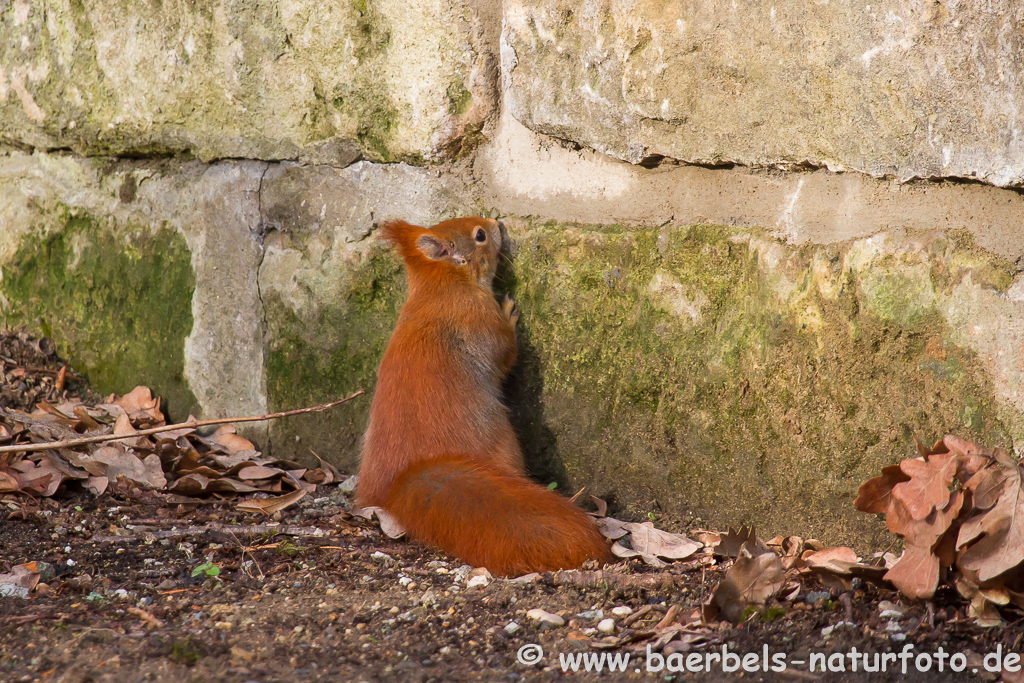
<point>433,248</point>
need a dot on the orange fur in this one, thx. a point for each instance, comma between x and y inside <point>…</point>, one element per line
<point>439,451</point>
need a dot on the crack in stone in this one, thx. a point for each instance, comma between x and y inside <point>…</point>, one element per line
<point>260,232</point>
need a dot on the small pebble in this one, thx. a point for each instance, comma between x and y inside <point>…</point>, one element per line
<point>890,614</point>
<point>814,597</point>
<point>592,614</point>
<point>827,631</point>
<point>511,628</point>
<point>886,606</point>
<point>893,626</point>
<point>547,619</point>
<point>606,626</point>
<point>479,580</point>
<point>622,611</point>
<point>898,637</point>
<point>10,590</point>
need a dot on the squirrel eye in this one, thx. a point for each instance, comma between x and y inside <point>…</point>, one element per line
<point>481,236</point>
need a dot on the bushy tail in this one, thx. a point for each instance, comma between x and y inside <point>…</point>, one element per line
<point>490,519</point>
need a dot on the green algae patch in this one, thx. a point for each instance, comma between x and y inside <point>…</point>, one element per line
<point>118,303</point>
<point>720,376</point>
<point>331,356</point>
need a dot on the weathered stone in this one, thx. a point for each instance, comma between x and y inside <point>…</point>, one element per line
<point>809,367</point>
<point>526,174</point>
<point>917,89</point>
<point>143,272</point>
<point>317,82</point>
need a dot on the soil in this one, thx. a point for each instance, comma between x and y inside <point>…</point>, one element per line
<point>136,590</point>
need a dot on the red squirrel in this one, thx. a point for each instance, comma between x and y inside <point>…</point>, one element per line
<point>439,452</point>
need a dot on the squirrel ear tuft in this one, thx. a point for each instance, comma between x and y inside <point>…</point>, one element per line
<point>394,230</point>
<point>433,247</point>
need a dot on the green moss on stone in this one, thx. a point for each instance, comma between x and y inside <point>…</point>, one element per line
<point>459,98</point>
<point>118,302</point>
<point>311,362</point>
<point>744,412</point>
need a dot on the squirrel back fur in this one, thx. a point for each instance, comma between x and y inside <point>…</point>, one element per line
<point>439,451</point>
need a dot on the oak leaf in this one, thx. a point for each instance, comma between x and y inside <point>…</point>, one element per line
<point>928,487</point>
<point>753,578</point>
<point>1000,526</point>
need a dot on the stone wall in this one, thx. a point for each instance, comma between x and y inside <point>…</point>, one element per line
<point>750,263</point>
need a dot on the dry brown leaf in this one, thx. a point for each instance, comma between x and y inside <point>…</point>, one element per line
<point>1001,527</point>
<point>269,506</point>
<point>733,540</point>
<point>647,540</point>
<point>319,476</point>
<point>939,447</point>
<point>22,576</point>
<point>85,421</point>
<point>612,528</point>
<point>224,484</point>
<point>115,462</point>
<point>916,574</point>
<point>982,610</point>
<point>96,485</point>
<point>226,437</point>
<point>41,477</point>
<point>123,427</point>
<point>259,472</point>
<point>9,482</point>
<point>391,527</point>
<point>836,560</point>
<point>928,487</point>
<point>624,552</point>
<point>750,581</point>
<point>972,457</point>
<point>874,494</point>
<point>190,485</point>
<point>709,538</point>
<point>140,405</point>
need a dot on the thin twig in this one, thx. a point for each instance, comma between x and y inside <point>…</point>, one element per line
<point>100,438</point>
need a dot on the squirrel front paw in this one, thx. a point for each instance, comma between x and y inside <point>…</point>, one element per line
<point>511,311</point>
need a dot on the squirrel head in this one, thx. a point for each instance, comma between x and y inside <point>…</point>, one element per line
<point>469,246</point>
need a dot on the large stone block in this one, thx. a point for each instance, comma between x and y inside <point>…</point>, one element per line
<point>142,272</point>
<point>716,373</point>
<point>317,82</point>
<point>917,89</point>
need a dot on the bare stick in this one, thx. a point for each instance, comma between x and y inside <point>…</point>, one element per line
<point>100,438</point>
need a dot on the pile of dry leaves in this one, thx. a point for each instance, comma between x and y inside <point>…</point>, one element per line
<point>70,444</point>
<point>31,371</point>
<point>960,509</point>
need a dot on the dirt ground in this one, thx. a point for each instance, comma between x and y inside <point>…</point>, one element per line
<point>136,590</point>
